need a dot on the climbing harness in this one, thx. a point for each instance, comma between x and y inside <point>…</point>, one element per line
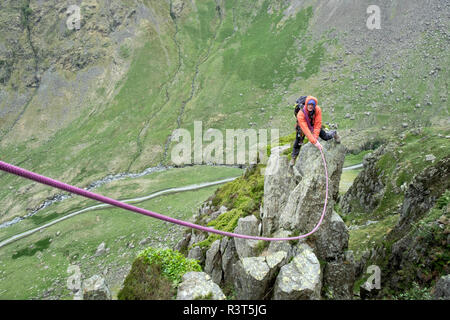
<point>84,193</point>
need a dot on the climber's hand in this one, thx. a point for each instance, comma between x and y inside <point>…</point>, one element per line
<point>318,145</point>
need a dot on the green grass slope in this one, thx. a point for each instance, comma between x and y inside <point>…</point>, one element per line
<point>232,65</point>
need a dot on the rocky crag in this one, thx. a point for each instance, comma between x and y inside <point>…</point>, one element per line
<point>418,247</point>
<point>313,268</point>
<point>404,191</point>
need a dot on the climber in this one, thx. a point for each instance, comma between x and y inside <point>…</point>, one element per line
<point>309,124</point>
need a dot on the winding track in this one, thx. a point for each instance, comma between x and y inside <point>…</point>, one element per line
<point>133,200</point>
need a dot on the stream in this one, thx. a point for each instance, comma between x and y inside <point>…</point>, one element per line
<point>61,197</point>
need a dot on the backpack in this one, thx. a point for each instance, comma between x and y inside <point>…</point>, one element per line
<point>300,103</point>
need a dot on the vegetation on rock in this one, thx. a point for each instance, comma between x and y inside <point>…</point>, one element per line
<point>155,274</point>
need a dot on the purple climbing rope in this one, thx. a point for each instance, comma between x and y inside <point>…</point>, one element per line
<point>84,193</point>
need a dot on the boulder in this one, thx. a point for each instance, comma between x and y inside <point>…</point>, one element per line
<point>275,246</point>
<point>197,254</point>
<point>248,226</point>
<point>229,258</point>
<point>339,278</point>
<point>95,288</point>
<point>253,276</point>
<point>213,262</point>
<point>101,249</point>
<point>430,157</point>
<point>180,246</point>
<point>213,215</point>
<point>276,260</point>
<point>306,201</point>
<point>301,279</point>
<point>422,194</point>
<point>442,288</point>
<point>368,291</point>
<point>332,238</point>
<point>198,285</point>
<point>278,183</point>
<point>368,187</point>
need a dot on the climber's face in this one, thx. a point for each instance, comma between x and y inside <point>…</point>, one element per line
<point>310,107</point>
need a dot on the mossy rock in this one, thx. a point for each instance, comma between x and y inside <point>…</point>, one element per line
<point>145,282</point>
<point>155,275</point>
<point>227,221</point>
<point>244,193</point>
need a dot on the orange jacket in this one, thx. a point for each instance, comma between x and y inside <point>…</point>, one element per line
<point>317,125</point>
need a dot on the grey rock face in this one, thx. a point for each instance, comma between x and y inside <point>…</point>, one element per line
<point>101,249</point>
<point>308,196</point>
<point>276,260</point>
<point>368,291</point>
<point>408,246</point>
<point>275,246</point>
<point>196,237</point>
<point>368,189</point>
<point>278,183</point>
<point>339,277</point>
<point>199,285</point>
<point>247,226</point>
<point>181,245</point>
<point>95,288</point>
<point>442,289</point>
<point>300,279</point>
<point>213,262</point>
<point>306,202</point>
<point>251,278</point>
<point>229,259</point>
<point>422,194</point>
<point>332,238</point>
<point>197,254</point>
<point>293,204</point>
<point>254,275</point>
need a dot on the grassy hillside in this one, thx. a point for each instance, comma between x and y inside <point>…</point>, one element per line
<point>374,232</point>
<point>398,168</point>
<point>32,266</point>
<point>230,65</point>
<point>128,188</point>
<point>80,105</point>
